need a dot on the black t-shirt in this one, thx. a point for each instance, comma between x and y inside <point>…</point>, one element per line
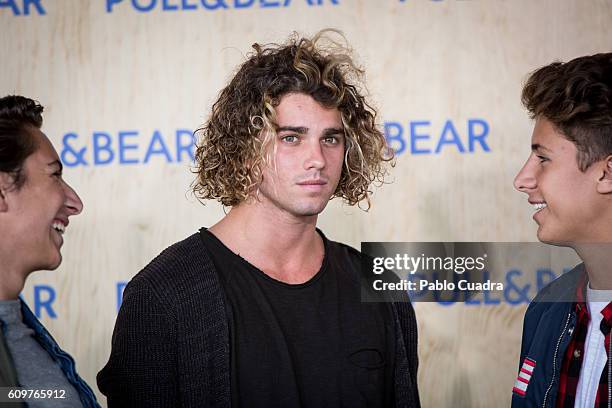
<point>313,344</point>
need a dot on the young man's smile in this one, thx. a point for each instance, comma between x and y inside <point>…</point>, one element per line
<point>43,206</point>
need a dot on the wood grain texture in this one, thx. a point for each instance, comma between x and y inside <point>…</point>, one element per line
<point>425,60</point>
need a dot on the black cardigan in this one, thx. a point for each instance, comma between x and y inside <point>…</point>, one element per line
<point>170,346</point>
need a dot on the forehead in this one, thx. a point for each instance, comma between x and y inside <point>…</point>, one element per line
<point>45,152</point>
<point>549,137</point>
<point>302,107</point>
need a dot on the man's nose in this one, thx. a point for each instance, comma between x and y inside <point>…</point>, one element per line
<point>525,180</point>
<point>314,156</point>
<point>73,201</point>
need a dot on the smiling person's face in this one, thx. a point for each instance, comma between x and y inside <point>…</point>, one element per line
<point>307,160</point>
<point>568,207</point>
<point>36,215</point>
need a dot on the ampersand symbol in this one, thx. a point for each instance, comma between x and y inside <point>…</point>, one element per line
<point>522,293</point>
<point>70,156</point>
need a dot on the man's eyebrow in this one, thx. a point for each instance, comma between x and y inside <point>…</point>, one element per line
<point>333,131</point>
<point>56,163</point>
<point>303,130</point>
<point>297,129</point>
<point>536,146</point>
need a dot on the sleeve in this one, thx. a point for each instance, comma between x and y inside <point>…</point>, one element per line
<point>142,369</point>
<point>530,324</point>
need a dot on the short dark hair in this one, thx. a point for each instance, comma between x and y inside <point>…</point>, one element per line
<point>18,115</point>
<point>235,140</point>
<point>576,97</point>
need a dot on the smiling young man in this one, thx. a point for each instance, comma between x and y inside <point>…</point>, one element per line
<point>568,180</point>
<point>35,205</point>
<point>262,310</point>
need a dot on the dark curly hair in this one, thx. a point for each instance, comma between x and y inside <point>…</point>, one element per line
<point>235,142</point>
<point>18,115</point>
<point>576,97</point>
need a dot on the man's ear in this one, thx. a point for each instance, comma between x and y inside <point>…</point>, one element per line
<point>5,182</point>
<point>604,184</point>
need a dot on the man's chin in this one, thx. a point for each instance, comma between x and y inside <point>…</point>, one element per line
<point>54,263</point>
<point>552,240</point>
<point>311,211</point>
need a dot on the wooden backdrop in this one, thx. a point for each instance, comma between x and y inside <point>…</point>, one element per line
<point>145,72</point>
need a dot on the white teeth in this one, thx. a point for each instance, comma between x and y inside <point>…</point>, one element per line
<point>59,227</point>
<point>539,206</point>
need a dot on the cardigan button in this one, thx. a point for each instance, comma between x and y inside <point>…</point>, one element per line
<point>577,353</point>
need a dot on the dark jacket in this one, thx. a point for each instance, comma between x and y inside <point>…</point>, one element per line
<point>8,376</point>
<point>547,330</point>
<point>171,343</point>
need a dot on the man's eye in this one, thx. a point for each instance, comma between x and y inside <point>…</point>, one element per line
<point>57,174</point>
<point>542,159</point>
<point>331,140</point>
<point>289,138</point>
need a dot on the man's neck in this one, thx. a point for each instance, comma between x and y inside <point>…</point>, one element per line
<point>283,246</point>
<point>11,280</point>
<point>597,260</point>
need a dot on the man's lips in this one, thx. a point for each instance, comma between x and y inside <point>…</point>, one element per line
<point>538,205</point>
<point>312,183</point>
<point>59,224</point>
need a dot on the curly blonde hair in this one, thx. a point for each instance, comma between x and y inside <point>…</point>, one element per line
<point>235,143</point>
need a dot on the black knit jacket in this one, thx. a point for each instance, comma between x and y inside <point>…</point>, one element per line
<point>171,345</point>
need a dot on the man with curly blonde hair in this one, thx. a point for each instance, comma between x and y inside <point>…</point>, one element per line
<point>262,310</point>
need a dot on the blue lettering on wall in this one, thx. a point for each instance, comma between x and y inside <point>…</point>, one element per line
<point>27,6</point>
<point>103,154</point>
<point>270,3</point>
<point>214,4</point>
<point>120,287</point>
<point>435,1</point>
<point>186,5</point>
<point>157,146</point>
<point>416,136</point>
<point>145,6</point>
<point>513,293</point>
<point>423,137</point>
<point>184,145</point>
<point>243,4</point>
<point>127,147</point>
<point>44,296</point>
<point>393,134</point>
<point>449,136</point>
<point>474,136</point>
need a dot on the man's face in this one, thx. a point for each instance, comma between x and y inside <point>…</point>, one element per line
<point>567,205</point>
<point>37,214</point>
<point>307,157</point>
